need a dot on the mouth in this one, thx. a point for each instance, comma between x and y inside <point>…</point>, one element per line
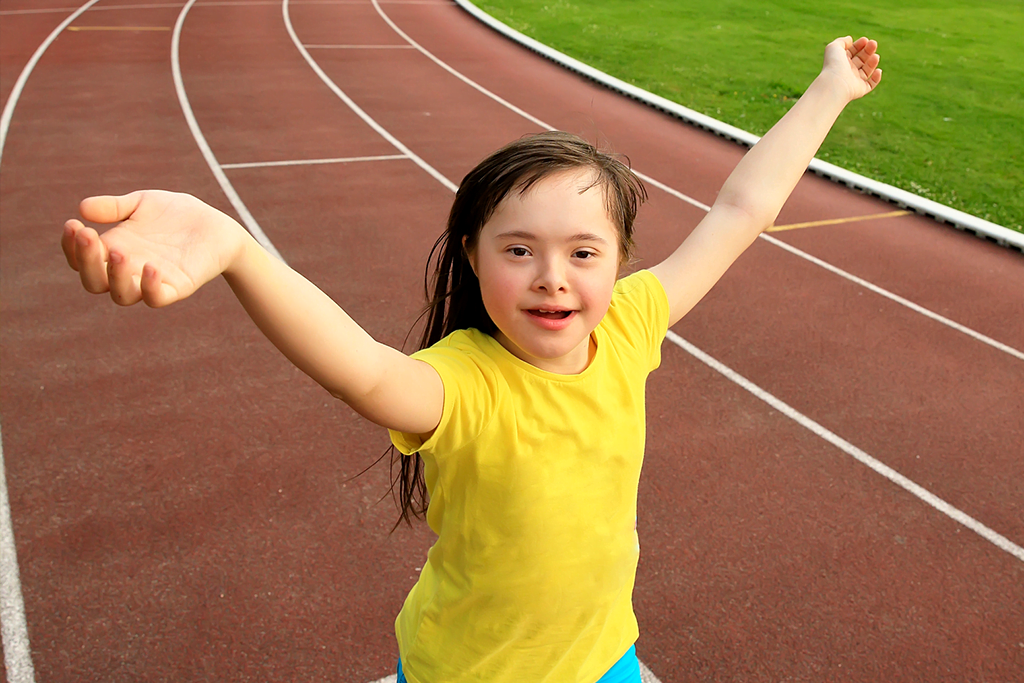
<point>549,314</point>
<point>552,320</point>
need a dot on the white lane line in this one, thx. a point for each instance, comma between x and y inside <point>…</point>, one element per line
<point>14,628</point>
<point>179,86</point>
<point>690,200</point>
<point>17,653</point>
<point>922,493</point>
<point>12,99</point>
<point>892,475</point>
<point>358,47</point>
<point>355,107</point>
<point>311,162</point>
<point>897,298</point>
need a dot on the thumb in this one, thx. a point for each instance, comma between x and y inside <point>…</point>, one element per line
<point>109,209</point>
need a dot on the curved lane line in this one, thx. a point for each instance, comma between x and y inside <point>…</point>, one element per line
<point>211,160</point>
<point>791,249</point>
<point>942,506</point>
<point>355,107</point>
<point>12,100</point>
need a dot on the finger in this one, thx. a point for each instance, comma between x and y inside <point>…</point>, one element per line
<point>67,241</point>
<point>155,292</point>
<point>124,284</point>
<point>868,48</point>
<point>91,255</point>
<point>871,64</point>
<point>109,209</point>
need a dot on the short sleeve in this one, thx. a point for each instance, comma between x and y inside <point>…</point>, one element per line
<point>471,385</point>
<point>639,314</point>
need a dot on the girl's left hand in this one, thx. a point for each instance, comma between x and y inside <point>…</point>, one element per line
<point>854,63</point>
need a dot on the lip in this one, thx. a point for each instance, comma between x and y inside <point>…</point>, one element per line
<point>553,324</point>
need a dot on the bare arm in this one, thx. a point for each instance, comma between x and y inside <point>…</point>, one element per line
<point>754,193</point>
<point>168,245</point>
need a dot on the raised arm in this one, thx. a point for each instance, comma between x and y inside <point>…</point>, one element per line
<point>754,193</point>
<point>168,245</point>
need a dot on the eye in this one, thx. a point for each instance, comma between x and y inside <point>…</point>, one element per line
<point>518,251</point>
<point>584,255</point>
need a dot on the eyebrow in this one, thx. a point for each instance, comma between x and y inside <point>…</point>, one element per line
<point>578,237</point>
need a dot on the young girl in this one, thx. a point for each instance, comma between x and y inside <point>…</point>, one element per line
<point>523,414</point>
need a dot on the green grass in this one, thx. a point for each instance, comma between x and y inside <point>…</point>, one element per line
<point>947,122</point>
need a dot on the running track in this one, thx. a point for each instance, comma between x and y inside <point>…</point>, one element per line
<point>182,498</point>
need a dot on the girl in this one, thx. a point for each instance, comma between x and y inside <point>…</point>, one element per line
<point>523,414</point>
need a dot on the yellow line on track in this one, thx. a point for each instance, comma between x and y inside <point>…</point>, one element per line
<point>836,221</point>
<point>119,28</point>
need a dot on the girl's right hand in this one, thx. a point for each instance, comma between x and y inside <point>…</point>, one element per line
<point>164,247</point>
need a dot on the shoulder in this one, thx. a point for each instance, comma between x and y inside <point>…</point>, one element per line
<point>638,314</point>
<point>472,385</point>
<point>461,352</point>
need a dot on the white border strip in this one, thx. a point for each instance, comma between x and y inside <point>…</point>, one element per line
<point>959,219</point>
<point>313,162</point>
<point>892,475</point>
<point>17,652</point>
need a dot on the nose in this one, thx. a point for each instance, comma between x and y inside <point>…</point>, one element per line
<point>551,276</point>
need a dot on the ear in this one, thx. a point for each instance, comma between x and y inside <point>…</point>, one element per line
<point>470,255</point>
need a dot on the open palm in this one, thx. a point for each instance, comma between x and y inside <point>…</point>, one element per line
<point>164,247</point>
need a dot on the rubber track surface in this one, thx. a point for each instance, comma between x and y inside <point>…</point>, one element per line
<point>183,500</point>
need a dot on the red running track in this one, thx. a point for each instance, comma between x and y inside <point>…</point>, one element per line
<point>182,497</point>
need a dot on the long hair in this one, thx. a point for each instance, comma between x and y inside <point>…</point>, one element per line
<point>451,287</point>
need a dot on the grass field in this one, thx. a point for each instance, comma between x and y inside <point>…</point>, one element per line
<point>947,122</point>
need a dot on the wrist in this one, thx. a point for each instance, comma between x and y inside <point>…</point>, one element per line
<point>834,87</point>
<point>240,248</point>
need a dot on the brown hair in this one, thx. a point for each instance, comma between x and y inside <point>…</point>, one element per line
<point>452,289</point>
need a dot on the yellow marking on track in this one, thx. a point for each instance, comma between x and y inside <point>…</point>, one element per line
<point>119,28</point>
<point>836,221</point>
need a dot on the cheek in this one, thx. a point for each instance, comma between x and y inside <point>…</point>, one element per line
<point>598,294</point>
<point>499,288</point>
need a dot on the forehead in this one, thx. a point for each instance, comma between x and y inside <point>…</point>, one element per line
<point>567,202</point>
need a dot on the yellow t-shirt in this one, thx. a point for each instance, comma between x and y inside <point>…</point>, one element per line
<point>533,484</point>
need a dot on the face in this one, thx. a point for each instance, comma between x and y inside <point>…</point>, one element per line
<point>547,261</point>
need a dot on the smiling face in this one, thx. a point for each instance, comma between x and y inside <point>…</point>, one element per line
<point>547,261</point>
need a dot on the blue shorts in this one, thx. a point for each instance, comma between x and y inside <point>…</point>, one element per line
<point>626,670</point>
